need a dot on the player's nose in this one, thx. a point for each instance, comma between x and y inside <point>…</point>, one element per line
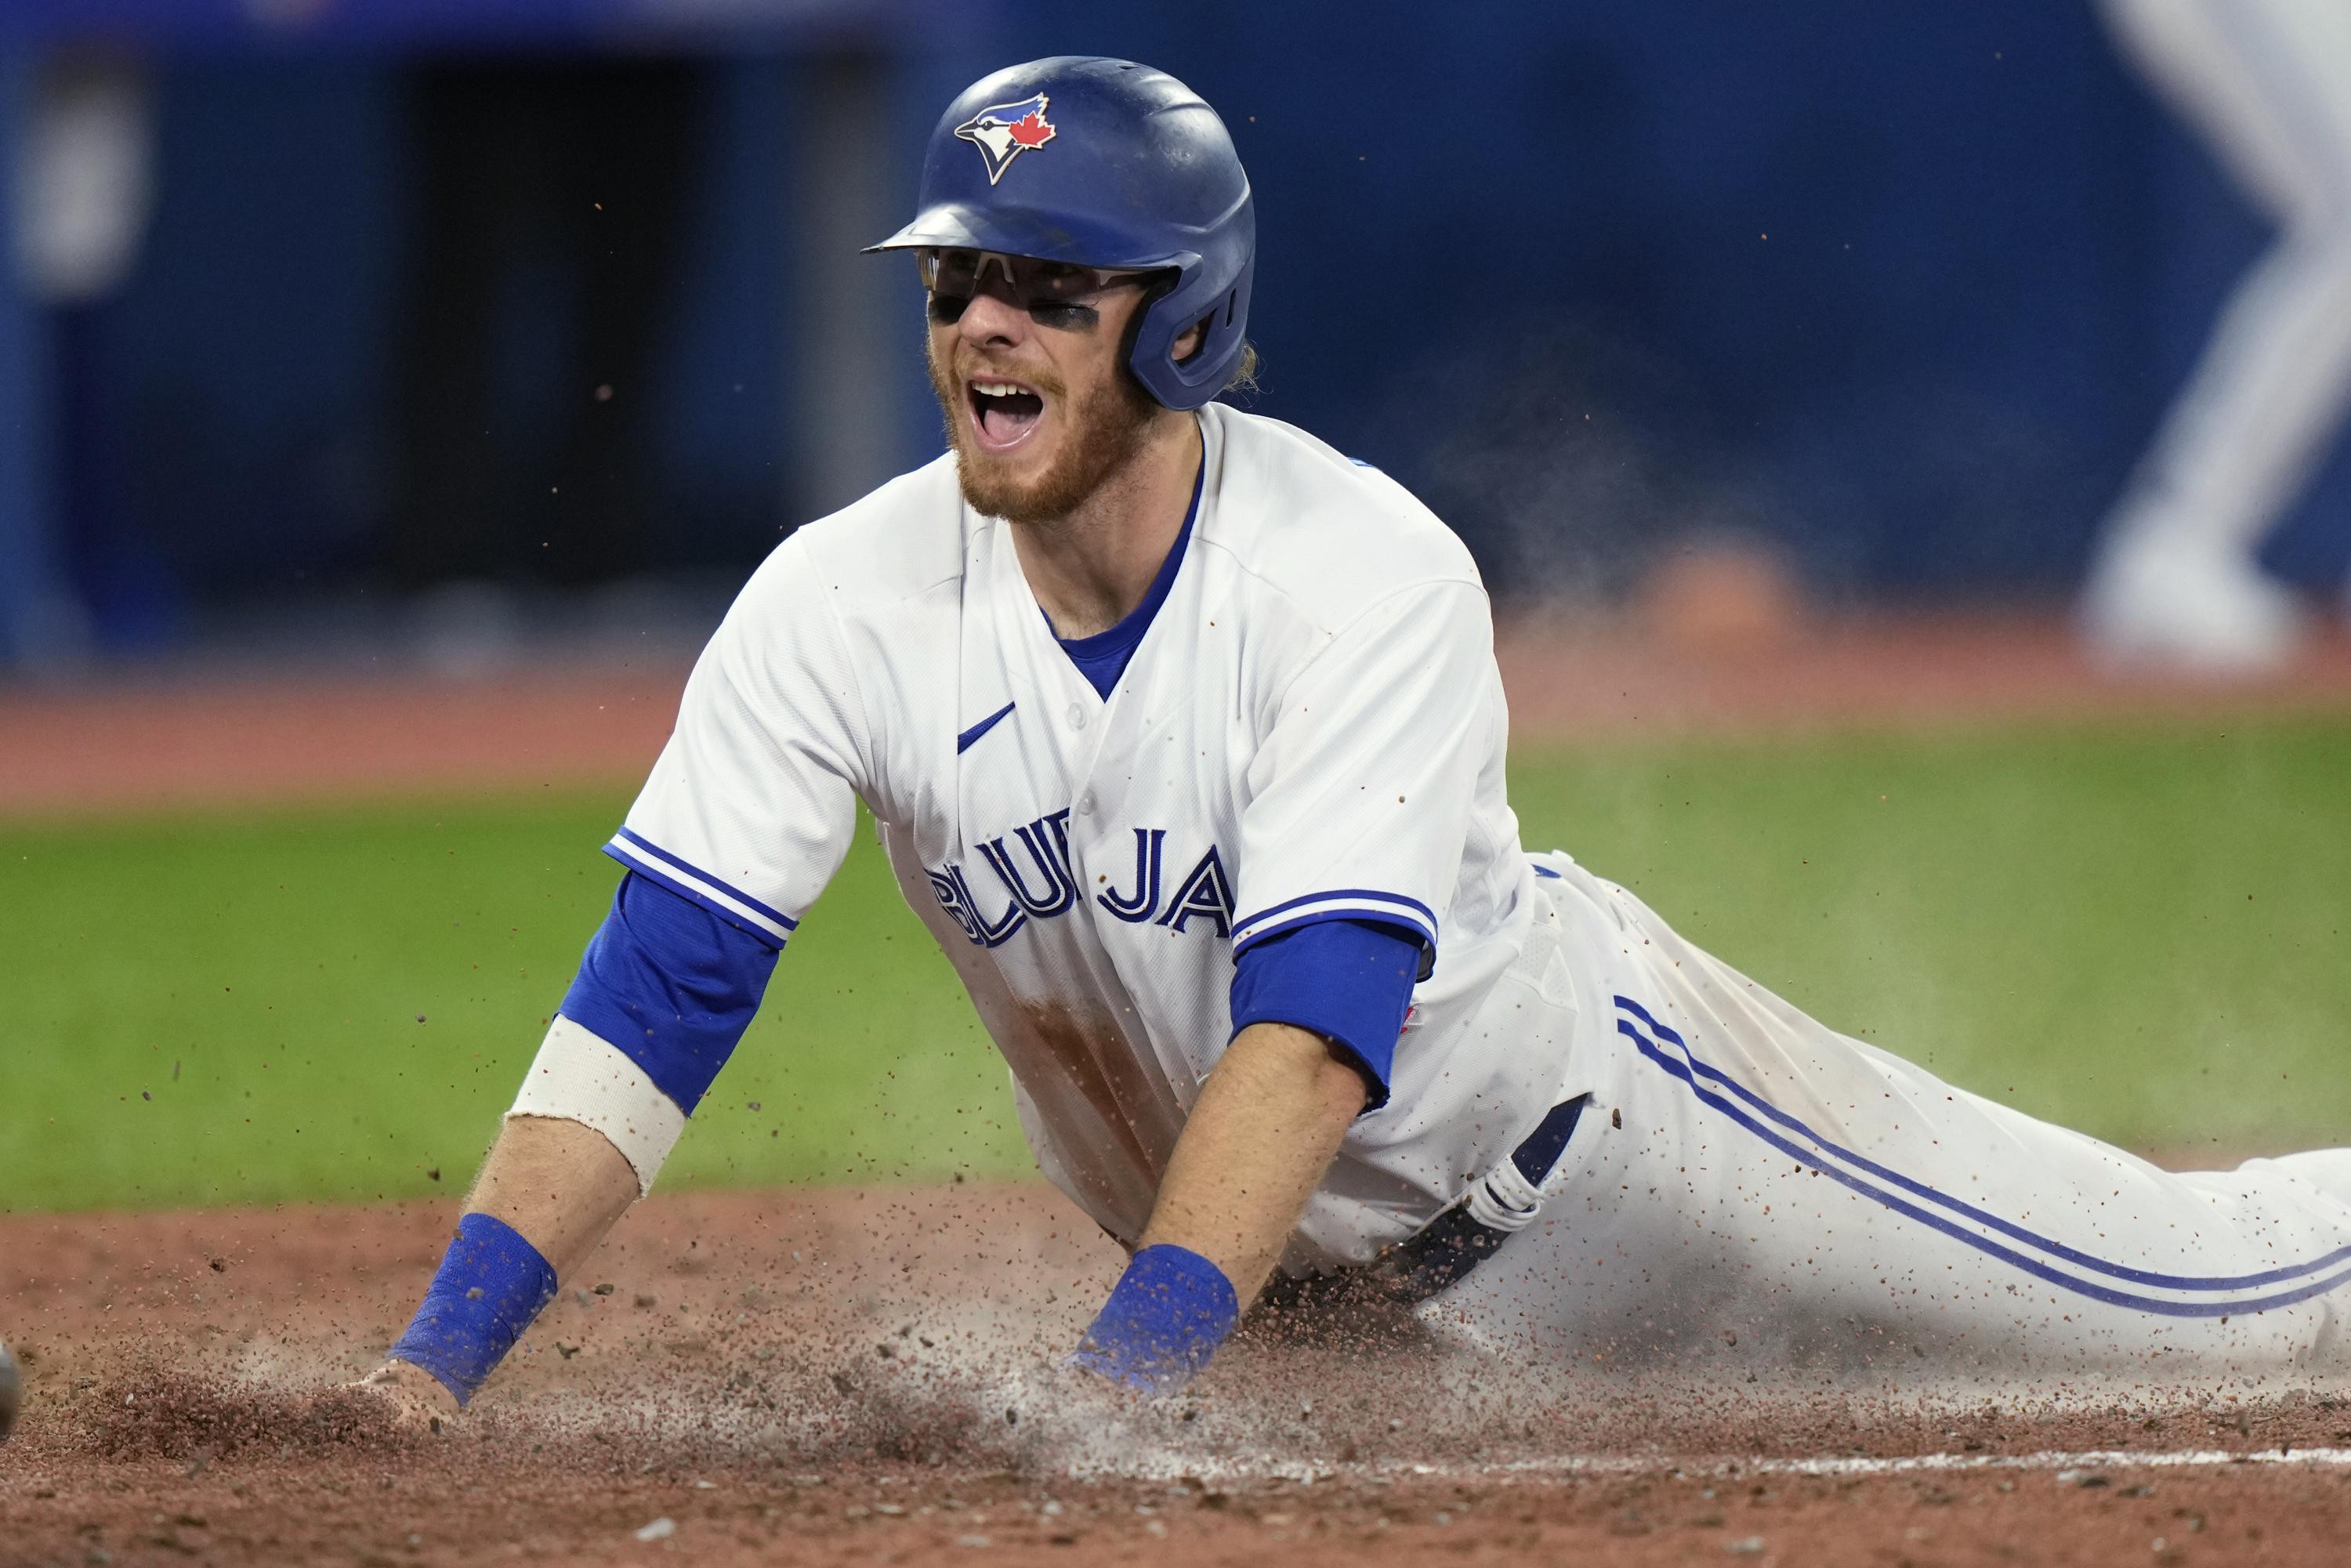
<point>991,317</point>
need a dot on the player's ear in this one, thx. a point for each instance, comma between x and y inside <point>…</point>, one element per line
<point>1189,343</point>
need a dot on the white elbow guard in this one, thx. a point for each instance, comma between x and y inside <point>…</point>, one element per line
<point>580,1076</point>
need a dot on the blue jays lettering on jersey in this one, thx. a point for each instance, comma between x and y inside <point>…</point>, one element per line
<point>1035,881</point>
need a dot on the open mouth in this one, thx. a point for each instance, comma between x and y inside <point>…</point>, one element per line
<point>1004,414</point>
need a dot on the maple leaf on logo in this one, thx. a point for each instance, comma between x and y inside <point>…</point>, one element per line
<point>1030,130</point>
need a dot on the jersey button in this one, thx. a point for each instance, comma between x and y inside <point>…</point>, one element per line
<point>1086,804</point>
<point>1077,715</point>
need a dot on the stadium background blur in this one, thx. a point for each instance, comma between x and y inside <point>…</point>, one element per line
<point>1901,290</point>
<point>396,391</point>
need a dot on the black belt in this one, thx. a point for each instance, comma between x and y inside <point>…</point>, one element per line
<point>1456,1241</point>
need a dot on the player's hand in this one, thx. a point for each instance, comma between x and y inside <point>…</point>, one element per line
<point>415,1398</point>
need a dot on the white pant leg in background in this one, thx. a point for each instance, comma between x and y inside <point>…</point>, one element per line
<point>2268,83</point>
<point>1751,1191</point>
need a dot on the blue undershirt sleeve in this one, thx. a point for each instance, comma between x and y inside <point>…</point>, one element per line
<point>671,985</point>
<point>1348,980</point>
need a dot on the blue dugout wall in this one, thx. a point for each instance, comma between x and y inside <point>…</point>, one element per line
<point>1905,287</point>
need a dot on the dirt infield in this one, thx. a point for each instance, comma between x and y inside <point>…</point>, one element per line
<point>855,1376</point>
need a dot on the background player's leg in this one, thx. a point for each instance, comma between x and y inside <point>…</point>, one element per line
<point>2269,83</point>
<point>12,1392</point>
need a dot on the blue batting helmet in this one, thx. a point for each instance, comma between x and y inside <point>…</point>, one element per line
<point>1107,164</point>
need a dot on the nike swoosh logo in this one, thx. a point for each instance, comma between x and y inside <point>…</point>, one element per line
<point>964,741</point>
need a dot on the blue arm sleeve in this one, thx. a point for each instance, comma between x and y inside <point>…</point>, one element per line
<point>672,985</point>
<point>1348,980</point>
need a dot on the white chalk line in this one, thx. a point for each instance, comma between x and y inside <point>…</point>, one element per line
<point>2090,1462</point>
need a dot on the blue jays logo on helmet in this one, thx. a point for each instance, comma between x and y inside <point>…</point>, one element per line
<point>1002,132</point>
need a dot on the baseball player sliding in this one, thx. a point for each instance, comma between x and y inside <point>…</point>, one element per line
<point>1185,738</point>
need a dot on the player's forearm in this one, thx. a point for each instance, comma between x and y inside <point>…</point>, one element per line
<point>547,1193</point>
<point>1268,1122</point>
<point>560,1184</point>
<point>590,1126</point>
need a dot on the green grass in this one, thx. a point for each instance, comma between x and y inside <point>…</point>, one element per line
<point>2143,932</point>
<point>337,1004</point>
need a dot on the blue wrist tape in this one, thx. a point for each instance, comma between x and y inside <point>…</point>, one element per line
<point>1164,1318</point>
<point>491,1284</point>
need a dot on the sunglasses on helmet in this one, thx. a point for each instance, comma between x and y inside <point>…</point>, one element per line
<point>954,277</point>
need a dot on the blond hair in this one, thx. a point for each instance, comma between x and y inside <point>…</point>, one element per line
<point>1244,377</point>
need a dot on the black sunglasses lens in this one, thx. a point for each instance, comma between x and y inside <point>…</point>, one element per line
<point>951,272</point>
<point>1047,284</point>
<point>954,278</point>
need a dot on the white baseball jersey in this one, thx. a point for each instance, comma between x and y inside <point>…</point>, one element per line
<point>1312,727</point>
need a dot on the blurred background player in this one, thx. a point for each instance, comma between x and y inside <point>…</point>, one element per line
<point>12,1389</point>
<point>2175,580</point>
<point>82,194</point>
